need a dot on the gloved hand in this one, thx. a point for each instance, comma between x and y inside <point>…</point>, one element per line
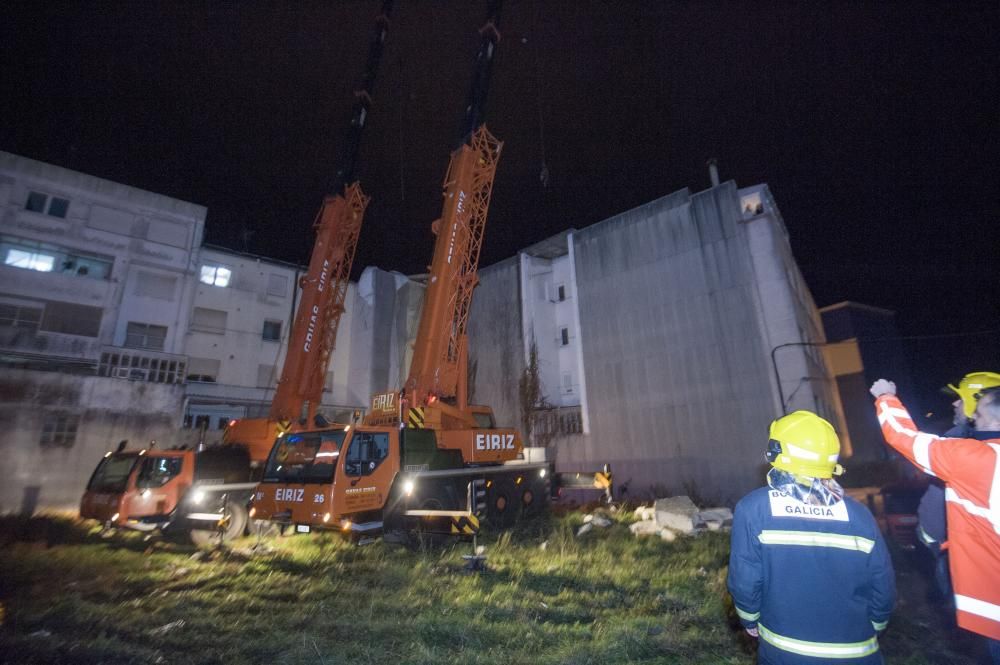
<point>752,632</point>
<point>882,387</point>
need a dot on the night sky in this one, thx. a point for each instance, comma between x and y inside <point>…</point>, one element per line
<point>876,125</point>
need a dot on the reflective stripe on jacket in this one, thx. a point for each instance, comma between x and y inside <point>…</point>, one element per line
<point>816,581</point>
<point>971,470</point>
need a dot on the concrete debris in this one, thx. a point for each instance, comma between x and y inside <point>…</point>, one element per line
<point>544,546</point>
<point>716,518</point>
<point>585,529</point>
<point>166,628</point>
<point>597,520</point>
<point>645,528</point>
<point>197,556</point>
<point>678,516</point>
<point>645,513</point>
<point>678,513</point>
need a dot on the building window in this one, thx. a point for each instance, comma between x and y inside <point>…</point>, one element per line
<point>197,422</point>
<point>29,259</point>
<point>145,336</point>
<point>50,205</point>
<point>141,367</point>
<point>209,320</point>
<point>265,376</point>
<point>277,285</point>
<point>153,285</point>
<point>203,370</point>
<point>71,319</point>
<point>14,316</point>
<point>216,275</point>
<point>567,382</point>
<point>32,255</point>
<point>59,431</point>
<point>562,293</point>
<point>564,336</point>
<point>58,207</point>
<point>272,331</point>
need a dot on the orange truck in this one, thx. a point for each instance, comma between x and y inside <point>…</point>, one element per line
<point>206,490</point>
<point>423,457</point>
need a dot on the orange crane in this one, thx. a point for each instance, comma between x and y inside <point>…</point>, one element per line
<point>206,491</point>
<point>423,457</point>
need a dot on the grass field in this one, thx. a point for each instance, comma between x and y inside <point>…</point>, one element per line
<point>547,597</point>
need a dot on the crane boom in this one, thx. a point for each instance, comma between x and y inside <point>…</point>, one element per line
<point>438,369</point>
<point>324,286</point>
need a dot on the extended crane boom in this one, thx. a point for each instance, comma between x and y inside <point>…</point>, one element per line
<point>324,286</point>
<point>438,369</point>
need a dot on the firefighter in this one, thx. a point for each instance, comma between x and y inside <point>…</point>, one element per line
<point>933,523</point>
<point>970,469</point>
<point>809,572</point>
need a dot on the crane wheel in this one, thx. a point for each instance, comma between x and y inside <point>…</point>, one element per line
<point>503,503</point>
<point>233,525</point>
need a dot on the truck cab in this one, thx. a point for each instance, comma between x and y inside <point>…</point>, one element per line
<point>328,478</point>
<point>199,491</point>
<point>138,489</point>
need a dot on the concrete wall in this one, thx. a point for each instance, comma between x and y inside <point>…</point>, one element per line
<point>496,342</point>
<point>679,304</point>
<point>678,385</point>
<point>106,411</point>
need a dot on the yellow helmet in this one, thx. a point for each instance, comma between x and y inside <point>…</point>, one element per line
<point>971,388</point>
<point>804,444</point>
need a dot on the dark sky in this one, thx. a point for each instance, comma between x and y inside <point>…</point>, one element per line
<point>875,125</point>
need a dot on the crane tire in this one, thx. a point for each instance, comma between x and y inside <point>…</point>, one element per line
<point>503,503</point>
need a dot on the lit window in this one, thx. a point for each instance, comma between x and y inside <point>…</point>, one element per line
<point>216,275</point>
<point>20,258</point>
<point>34,255</point>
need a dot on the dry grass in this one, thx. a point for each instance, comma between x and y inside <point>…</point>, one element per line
<point>548,597</point>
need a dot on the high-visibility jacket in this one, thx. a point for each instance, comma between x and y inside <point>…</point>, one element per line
<point>816,581</point>
<point>971,472</point>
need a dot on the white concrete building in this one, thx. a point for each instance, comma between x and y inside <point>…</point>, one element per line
<point>95,298</point>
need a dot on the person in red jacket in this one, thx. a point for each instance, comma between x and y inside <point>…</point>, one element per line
<point>970,468</point>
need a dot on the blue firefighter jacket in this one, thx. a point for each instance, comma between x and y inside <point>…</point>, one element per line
<point>816,581</point>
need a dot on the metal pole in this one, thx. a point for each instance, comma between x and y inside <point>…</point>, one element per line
<point>777,375</point>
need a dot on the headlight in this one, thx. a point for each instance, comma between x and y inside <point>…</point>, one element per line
<point>408,487</point>
<point>541,474</point>
<point>197,496</point>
